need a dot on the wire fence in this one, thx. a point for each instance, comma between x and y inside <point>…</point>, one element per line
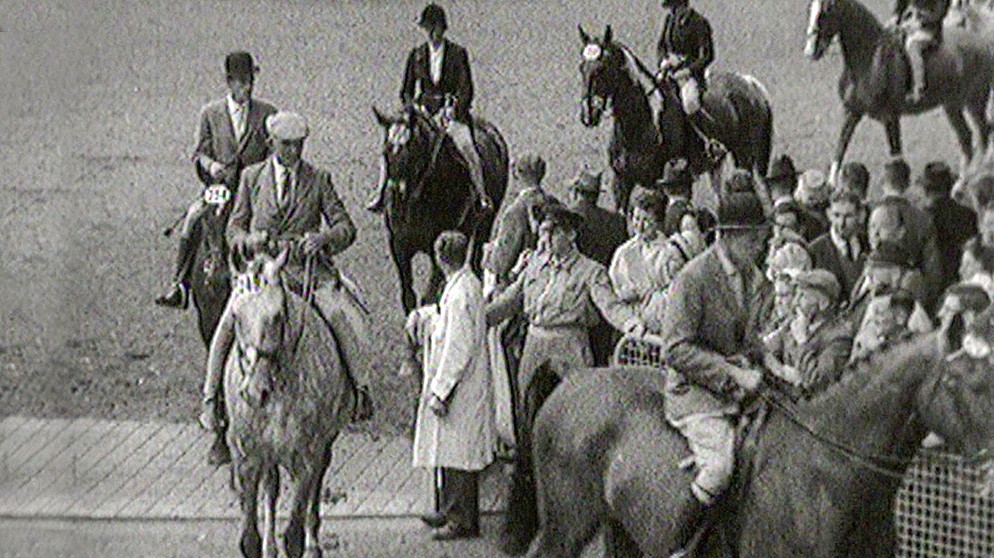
<point>942,509</point>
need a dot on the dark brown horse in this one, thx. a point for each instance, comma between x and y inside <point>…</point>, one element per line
<point>739,106</point>
<point>874,82</point>
<point>210,280</point>
<point>429,190</point>
<point>822,479</point>
<point>288,395</point>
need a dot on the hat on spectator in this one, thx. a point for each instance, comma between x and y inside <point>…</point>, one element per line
<point>937,178</point>
<point>782,169</point>
<point>889,253</point>
<point>739,206</point>
<point>530,165</point>
<point>586,182</point>
<point>239,64</point>
<point>287,126</point>
<point>433,15</point>
<point>820,280</point>
<point>812,188</point>
<point>556,213</point>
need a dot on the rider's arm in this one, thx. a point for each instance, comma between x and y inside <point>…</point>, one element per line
<point>241,210</point>
<point>705,46</point>
<point>336,227</point>
<point>203,151</point>
<point>407,89</point>
<point>464,91</point>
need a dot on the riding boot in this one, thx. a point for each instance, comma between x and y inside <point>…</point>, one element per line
<point>179,292</point>
<point>690,524</point>
<point>462,137</point>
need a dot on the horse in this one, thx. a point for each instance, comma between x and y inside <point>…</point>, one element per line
<point>823,472</point>
<point>739,107</point>
<point>429,190</point>
<point>210,279</point>
<point>288,395</point>
<point>876,73</point>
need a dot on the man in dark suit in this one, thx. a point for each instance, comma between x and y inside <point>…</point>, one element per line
<point>232,136</point>
<point>954,224</point>
<point>843,249</point>
<point>601,233</point>
<point>438,72</point>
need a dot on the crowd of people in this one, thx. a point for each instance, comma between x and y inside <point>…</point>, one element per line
<point>801,287</point>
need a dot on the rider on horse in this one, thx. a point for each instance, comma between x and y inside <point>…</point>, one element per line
<point>685,50</point>
<point>438,80</point>
<point>921,22</point>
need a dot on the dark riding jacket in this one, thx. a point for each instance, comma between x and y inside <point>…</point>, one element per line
<point>456,80</point>
<point>931,12</point>
<point>686,33</point>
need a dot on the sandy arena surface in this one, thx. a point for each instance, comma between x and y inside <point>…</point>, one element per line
<point>99,106</point>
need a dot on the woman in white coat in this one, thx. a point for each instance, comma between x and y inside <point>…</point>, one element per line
<point>455,425</point>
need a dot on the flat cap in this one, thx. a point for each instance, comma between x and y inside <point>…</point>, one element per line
<point>820,280</point>
<point>287,126</point>
<point>586,182</point>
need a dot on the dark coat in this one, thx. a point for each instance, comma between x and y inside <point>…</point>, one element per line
<point>457,80</point>
<point>513,233</point>
<point>821,360</point>
<point>687,33</point>
<point>954,225</point>
<point>216,139</point>
<point>824,255</point>
<point>601,233</point>
<point>705,327</point>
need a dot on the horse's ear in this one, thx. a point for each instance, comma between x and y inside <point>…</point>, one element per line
<point>382,120</point>
<point>583,34</point>
<point>951,335</point>
<point>282,258</point>
<point>608,35</point>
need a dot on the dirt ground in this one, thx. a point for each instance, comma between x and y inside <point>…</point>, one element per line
<point>99,104</point>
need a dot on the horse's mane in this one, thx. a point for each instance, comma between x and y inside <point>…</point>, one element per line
<point>633,65</point>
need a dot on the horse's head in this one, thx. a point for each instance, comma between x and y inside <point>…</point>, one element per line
<point>258,306</point>
<point>823,26</point>
<point>603,61</point>
<point>955,402</point>
<point>408,141</point>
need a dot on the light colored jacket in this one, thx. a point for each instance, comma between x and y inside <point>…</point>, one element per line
<point>457,370</point>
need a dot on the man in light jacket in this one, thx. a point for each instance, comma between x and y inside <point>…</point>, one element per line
<point>455,426</point>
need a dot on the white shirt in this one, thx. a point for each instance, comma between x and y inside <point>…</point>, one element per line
<point>239,116</point>
<point>283,176</point>
<point>435,58</point>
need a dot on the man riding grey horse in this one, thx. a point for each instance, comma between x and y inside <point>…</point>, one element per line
<point>438,80</point>
<point>921,22</point>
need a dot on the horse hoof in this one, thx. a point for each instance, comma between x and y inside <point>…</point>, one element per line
<point>512,544</point>
<point>219,453</point>
<point>293,539</point>
<point>251,544</point>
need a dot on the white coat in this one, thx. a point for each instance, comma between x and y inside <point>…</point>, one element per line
<point>457,370</point>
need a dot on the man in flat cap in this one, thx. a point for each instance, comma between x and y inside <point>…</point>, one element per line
<point>562,294</point>
<point>231,136</point>
<point>600,234</point>
<point>438,72</point>
<point>812,352</point>
<point>281,202</point>
<point>712,338</point>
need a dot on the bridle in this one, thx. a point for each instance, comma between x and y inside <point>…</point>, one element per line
<point>434,151</point>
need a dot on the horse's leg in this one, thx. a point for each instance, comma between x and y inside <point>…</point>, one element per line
<point>566,528</point>
<point>845,136</point>
<point>312,519</point>
<point>270,493</point>
<point>963,133</point>
<point>893,128</point>
<point>293,535</point>
<point>247,475</point>
<point>402,260</point>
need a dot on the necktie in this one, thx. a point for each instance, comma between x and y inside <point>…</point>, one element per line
<point>238,121</point>
<point>282,188</point>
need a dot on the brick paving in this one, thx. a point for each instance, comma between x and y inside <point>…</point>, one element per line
<point>100,469</point>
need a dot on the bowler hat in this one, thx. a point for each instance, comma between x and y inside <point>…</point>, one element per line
<point>586,182</point>
<point>559,215</point>
<point>288,126</point>
<point>240,64</point>
<point>937,178</point>
<point>530,165</point>
<point>889,253</point>
<point>782,169</point>
<point>433,15</point>
<point>740,207</point>
<point>821,280</point>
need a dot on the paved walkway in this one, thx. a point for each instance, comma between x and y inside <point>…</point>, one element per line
<point>86,468</point>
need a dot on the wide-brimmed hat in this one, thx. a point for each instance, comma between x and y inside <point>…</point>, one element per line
<point>586,182</point>
<point>530,165</point>
<point>820,280</point>
<point>433,15</point>
<point>555,212</point>
<point>240,64</point>
<point>287,126</point>
<point>937,178</point>
<point>782,169</point>
<point>740,207</point>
